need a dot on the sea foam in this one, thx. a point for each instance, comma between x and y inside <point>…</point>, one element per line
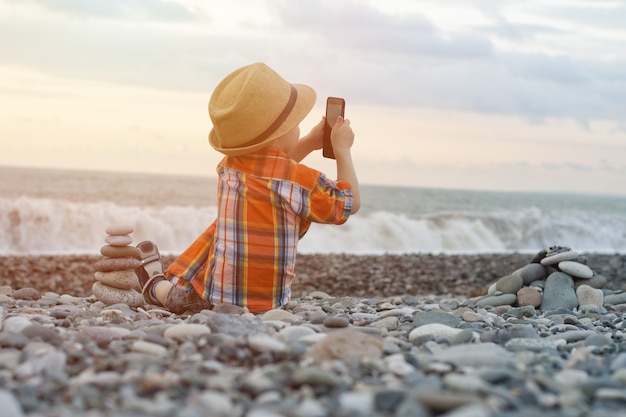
<point>31,225</point>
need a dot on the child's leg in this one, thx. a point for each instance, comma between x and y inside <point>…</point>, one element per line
<point>192,261</point>
<point>160,290</point>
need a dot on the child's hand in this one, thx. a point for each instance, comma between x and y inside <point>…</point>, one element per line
<point>342,136</point>
<point>313,141</point>
<point>316,135</point>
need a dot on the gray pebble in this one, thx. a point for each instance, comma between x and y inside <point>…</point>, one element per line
<point>430,317</point>
<point>559,292</point>
<point>336,321</point>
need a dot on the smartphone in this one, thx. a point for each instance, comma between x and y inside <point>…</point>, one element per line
<point>335,107</point>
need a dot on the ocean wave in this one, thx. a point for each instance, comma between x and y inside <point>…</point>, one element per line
<point>56,226</point>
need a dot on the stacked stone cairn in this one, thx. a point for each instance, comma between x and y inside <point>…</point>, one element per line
<point>557,277</point>
<point>116,280</point>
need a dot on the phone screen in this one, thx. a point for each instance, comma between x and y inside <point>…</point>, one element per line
<point>335,107</point>
<point>334,110</point>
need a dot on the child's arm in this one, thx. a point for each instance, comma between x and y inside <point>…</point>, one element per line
<point>313,141</point>
<point>342,138</point>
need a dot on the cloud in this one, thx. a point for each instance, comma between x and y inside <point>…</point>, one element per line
<point>346,48</point>
<point>150,10</point>
<point>352,27</point>
<point>602,14</point>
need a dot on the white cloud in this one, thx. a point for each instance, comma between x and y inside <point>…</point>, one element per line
<point>347,47</point>
<point>540,62</point>
<point>139,10</point>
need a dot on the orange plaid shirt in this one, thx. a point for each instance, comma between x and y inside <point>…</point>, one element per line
<point>266,203</point>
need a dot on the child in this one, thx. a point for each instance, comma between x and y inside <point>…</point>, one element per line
<point>266,199</point>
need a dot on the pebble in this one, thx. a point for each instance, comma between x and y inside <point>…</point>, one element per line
<point>280,315</point>
<point>124,279</point>
<point>510,284</point>
<point>120,251</point>
<point>239,364</point>
<point>447,319</point>
<point>531,272</point>
<point>119,229</point>
<point>345,345</point>
<point>390,356</point>
<point>576,269</point>
<point>497,300</point>
<point>529,296</point>
<point>118,240</point>
<point>587,295</point>
<point>434,330</point>
<point>116,264</point>
<point>9,405</point>
<point>336,321</point>
<point>26,293</point>
<point>559,255</point>
<point>559,292</point>
<point>111,295</point>
<point>183,332</point>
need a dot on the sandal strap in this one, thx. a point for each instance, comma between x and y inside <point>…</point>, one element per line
<point>151,258</point>
<point>146,291</point>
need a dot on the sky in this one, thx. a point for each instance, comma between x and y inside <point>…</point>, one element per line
<point>525,95</point>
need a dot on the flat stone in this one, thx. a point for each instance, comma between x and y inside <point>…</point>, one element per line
<point>615,298</point>
<point>531,272</point>
<point>124,279</point>
<point>559,292</point>
<point>553,259</point>
<point>115,240</point>
<point>475,355</point>
<point>336,321</point>
<point>430,317</point>
<point>497,300</point>
<point>575,269</point>
<point>185,331</point>
<point>149,348</point>
<point>293,333</point>
<point>263,343</point>
<point>509,284</point>
<point>120,251</point>
<point>280,315</point>
<point>116,264</point>
<point>345,344</point>
<point>111,295</point>
<point>119,229</point>
<point>436,330</point>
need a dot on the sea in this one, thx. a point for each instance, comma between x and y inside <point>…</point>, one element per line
<point>56,212</point>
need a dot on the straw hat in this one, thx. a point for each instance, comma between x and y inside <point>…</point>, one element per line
<point>253,106</point>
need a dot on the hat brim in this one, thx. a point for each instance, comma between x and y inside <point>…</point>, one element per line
<point>304,103</point>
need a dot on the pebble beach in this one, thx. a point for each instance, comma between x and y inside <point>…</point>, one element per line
<point>396,335</point>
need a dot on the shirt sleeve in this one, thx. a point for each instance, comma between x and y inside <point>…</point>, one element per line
<point>330,201</point>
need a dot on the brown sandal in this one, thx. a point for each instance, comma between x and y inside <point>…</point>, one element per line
<point>151,270</point>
